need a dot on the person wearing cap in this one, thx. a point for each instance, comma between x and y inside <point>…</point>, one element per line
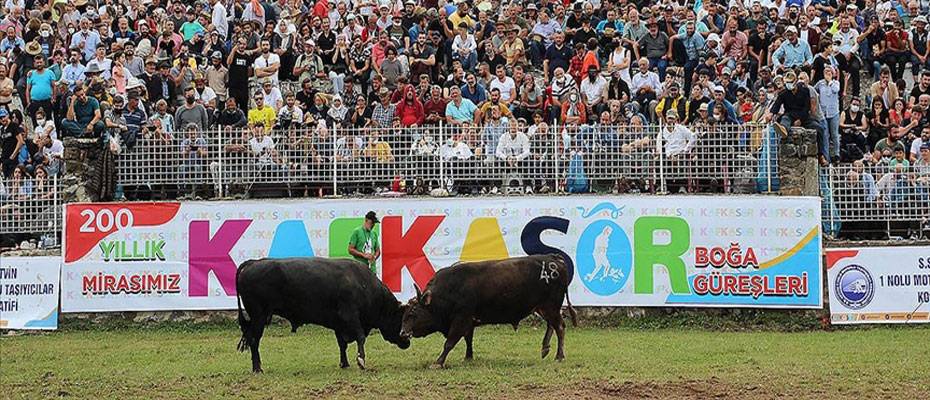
<point>797,104</point>
<point>679,140</point>
<point>719,98</point>
<point>920,51</point>
<point>897,53</point>
<point>216,75</point>
<point>671,100</point>
<point>364,245</point>
<point>793,52</point>
<point>847,55</point>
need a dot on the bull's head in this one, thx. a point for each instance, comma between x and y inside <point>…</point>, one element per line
<point>391,326</point>
<point>418,320</point>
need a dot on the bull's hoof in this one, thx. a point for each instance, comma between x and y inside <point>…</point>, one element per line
<point>436,366</point>
<point>544,352</point>
<point>344,365</point>
<point>469,357</point>
<point>257,370</point>
<point>560,357</point>
<point>361,362</point>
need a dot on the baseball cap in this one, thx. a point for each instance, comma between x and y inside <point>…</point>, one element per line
<point>718,88</point>
<point>372,217</point>
<point>4,113</point>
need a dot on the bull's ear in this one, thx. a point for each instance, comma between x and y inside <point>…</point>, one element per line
<point>427,297</point>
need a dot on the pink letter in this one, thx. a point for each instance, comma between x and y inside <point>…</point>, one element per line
<point>207,255</point>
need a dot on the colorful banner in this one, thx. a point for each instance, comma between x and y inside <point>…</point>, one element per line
<point>879,285</point>
<point>29,292</point>
<point>624,250</point>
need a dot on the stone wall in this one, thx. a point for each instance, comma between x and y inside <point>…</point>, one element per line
<point>798,166</point>
<point>80,158</point>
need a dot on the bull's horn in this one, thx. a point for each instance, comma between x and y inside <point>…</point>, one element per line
<point>417,288</point>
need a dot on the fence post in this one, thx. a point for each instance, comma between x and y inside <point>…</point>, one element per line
<point>768,157</point>
<point>220,177</point>
<point>555,156</point>
<point>335,185</point>
<point>442,166</point>
<point>660,150</point>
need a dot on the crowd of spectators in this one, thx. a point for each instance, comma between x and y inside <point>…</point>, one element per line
<point>294,79</point>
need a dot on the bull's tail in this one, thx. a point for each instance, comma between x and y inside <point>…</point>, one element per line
<point>571,310</point>
<point>244,323</point>
<point>566,282</point>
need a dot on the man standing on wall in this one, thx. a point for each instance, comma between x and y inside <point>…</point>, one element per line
<point>363,245</point>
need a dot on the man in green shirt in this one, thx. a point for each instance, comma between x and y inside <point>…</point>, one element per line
<point>363,245</point>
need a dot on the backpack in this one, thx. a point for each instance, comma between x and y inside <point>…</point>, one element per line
<point>577,181</point>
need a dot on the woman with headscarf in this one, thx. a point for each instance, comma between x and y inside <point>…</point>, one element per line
<point>283,43</point>
<point>337,113</point>
<point>410,109</point>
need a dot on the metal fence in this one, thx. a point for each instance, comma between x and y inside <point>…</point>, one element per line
<point>458,159</point>
<point>30,205</point>
<point>859,199</point>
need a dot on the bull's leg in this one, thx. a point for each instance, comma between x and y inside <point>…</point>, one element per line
<point>469,354</point>
<point>553,316</point>
<point>258,328</point>
<point>546,339</point>
<point>460,326</point>
<point>343,345</point>
<point>361,350</point>
<point>560,334</point>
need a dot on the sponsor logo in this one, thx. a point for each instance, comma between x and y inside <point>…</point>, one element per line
<point>854,287</point>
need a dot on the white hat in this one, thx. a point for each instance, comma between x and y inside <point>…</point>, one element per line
<point>714,37</point>
<point>791,28</point>
<point>719,88</point>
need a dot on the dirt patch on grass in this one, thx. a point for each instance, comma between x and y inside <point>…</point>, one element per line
<point>680,390</point>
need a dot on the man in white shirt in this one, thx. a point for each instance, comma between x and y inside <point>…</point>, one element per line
<point>594,91</point>
<point>513,147</point>
<point>646,86</point>
<point>505,84</point>
<point>272,95</point>
<point>261,145</point>
<point>219,19</point>
<point>266,65</point>
<point>678,138</point>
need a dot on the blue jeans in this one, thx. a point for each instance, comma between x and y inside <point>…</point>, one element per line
<point>832,125</point>
<point>659,64</point>
<point>468,63</point>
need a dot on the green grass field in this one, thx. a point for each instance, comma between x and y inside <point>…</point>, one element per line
<point>201,362</point>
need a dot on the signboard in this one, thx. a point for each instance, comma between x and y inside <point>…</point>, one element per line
<point>29,292</point>
<point>870,285</point>
<point>739,251</point>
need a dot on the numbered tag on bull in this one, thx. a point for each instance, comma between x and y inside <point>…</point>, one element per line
<point>548,271</point>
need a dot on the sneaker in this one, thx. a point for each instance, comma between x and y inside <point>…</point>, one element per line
<point>528,190</point>
<point>495,190</point>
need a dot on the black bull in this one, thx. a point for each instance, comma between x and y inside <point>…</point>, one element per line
<point>340,294</point>
<point>466,295</point>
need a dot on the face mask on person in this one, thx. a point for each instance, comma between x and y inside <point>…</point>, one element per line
<point>789,85</point>
<point>40,121</point>
<point>573,97</point>
<point>718,117</point>
<point>854,108</point>
<point>44,34</point>
<point>70,31</point>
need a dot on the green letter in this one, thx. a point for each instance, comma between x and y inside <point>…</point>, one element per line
<point>107,248</point>
<point>647,254</point>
